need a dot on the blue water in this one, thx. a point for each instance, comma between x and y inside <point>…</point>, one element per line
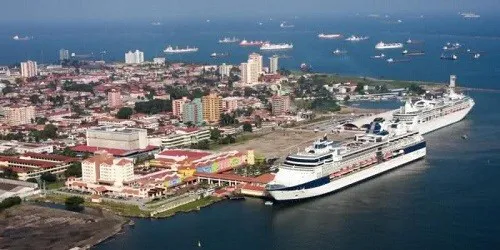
<point>446,201</point>
<point>117,38</point>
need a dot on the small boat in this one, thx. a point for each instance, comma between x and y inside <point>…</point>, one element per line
<point>304,67</point>
<point>477,55</point>
<point>378,56</point>
<point>390,60</point>
<point>268,203</point>
<point>451,57</point>
<point>199,244</point>
<point>413,52</point>
<point>237,197</point>
<point>339,52</point>
<point>215,55</point>
<point>131,223</point>
<point>465,137</point>
<point>286,25</point>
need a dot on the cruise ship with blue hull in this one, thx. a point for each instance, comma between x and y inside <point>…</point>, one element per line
<point>329,166</point>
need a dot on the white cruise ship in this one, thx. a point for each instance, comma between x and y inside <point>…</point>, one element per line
<point>429,114</point>
<point>327,166</point>
<point>280,46</point>
<point>382,45</point>
<point>229,40</point>
<point>177,50</point>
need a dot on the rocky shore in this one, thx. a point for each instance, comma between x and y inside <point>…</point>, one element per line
<point>37,227</point>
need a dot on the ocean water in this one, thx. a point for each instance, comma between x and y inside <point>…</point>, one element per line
<point>118,37</point>
<point>446,201</point>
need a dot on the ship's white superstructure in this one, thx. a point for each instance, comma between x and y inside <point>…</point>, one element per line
<point>280,46</point>
<point>430,113</point>
<point>328,166</point>
<point>470,15</point>
<point>382,45</point>
<point>177,50</point>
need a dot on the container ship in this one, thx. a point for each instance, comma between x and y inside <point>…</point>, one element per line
<point>177,50</point>
<point>433,112</point>
<point>280,46</point>
<point>329,36</point>
<point>328,166</point>
<point>251,43</point>
<point>382,45</point>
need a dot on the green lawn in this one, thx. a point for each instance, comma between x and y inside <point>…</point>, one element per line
<point>192,206</point>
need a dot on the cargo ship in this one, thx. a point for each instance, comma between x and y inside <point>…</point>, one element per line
<point>177,50</point>
<point>251,43</point>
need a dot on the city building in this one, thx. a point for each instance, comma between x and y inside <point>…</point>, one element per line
<point>21,189</point>
<point>159,60</point>
<point>178,106</point>
<point>18,115</point>
<point>134,57</point>
<point>4,71</point>
<point>225,70</point>
<point>212,108</point>
<point>244,72</point>
<point>193,112</point>
<point>33,165</point>
<point>254,67</point>
<point>280,105</point>
<point>105,168</point>
<point>25,147</point>
<point>273,64</point>
<point>117,138</point>
<point>230,103</point>
<point>185,137</point>
<point>114,99</point>
<point>63,54</point>
<point>29,69</point>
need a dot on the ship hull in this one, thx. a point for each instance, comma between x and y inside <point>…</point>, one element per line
<point>444,121</point>
<point>338,184</point>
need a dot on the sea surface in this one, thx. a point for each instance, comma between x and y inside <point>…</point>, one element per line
<point>449,200</point>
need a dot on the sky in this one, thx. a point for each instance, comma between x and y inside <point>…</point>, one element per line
<point>82,10</point>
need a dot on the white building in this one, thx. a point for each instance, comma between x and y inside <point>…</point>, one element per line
<point>18,115</point>
<point>117,138</point>
<point>105,168</point>
<point>185,137</point>
<point>63,54</point>
<point>24,147</point>
<point>11,188</point>
<point>29,69</point>
<point>4,71</point>
<point>159,60</point>
<point>273,64</point>
<point>225,70</point>
<point>134,57</point>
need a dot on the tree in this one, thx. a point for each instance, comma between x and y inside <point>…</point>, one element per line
<point>49,131</point>
<point>8,173</point>
<point>215,134</point>
<point>204,145</point>
<point>75,170</point>
<point>48,177</point>
<point>10,202</point>
<point>33,180</point>
<point>347,98</point>
<point>35,99</point>
<point>258,121</point>
<point>153,106</point>
<point>68,152</point>
<point>74,203</point>
<point>415,89</point>
<point>124,113</point>
<point>247,127</point>
<point>41,120</point>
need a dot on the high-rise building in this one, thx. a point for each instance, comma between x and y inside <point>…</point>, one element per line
<point>159,60</point>
<point>244,72</point>
<point>230,103</point>
<point>225,70</point>
<point>114,99</point>
<point>63,54</point>
<point>29,69</point>
<point>212,106</point>
<point>254,67</point>
<point>134,57</point>
<point>105,168</point>
<point>280,104</point>
<point>193,112</point>
<point>18,115</point>
<point>273,64</point>
<point>178,106</point>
